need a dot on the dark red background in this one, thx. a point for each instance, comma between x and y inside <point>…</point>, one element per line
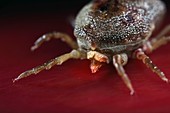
<point>70,87</point>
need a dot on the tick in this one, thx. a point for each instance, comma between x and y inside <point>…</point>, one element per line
<point>111,31</point>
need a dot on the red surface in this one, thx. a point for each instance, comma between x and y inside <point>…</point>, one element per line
<point>71,87</point>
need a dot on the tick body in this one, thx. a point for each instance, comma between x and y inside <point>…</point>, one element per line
<point>112,31</point>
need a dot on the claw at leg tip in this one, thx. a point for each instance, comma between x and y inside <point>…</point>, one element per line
<point>33,48</point>
<point>132,92</point>
<point>18,78</point>
<point>15,80</point>
<point>166,80</point>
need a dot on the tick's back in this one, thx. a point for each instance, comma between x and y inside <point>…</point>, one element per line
<point>104,24</point>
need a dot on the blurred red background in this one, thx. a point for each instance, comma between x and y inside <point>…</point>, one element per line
<point>70,87</point>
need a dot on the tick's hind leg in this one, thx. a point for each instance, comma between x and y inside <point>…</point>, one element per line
<point>159,40</point>
<point>155,44</point>
<point>140,55</point>
<point>55,35</point>
<point>118,61</point>
<point>74,54</point>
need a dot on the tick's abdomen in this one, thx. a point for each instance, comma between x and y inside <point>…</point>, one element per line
<point>117,26</point>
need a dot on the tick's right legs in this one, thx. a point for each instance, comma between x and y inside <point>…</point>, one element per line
<point>55,35</point>
<point>74,54</point>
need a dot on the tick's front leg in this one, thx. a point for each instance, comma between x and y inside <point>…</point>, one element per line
<point>74,54</point>
<point>118,61</point>
<point>55,35</point>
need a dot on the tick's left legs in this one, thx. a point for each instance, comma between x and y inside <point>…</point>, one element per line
<point>140,55</point>
<point>149,46</point>
<point>118,61</point>
<point>159,40</point>
<point>155,44</point>
<point>74,54</point>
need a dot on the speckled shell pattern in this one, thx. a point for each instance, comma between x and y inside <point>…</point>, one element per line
<point>117,25</point>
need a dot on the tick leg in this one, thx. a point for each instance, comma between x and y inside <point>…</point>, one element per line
<point>55,35</point>
<point>74,54</point>
<point>164,32</point>
<point>140,55</point>
<point>155,43</point>
<point>117,62</point>
<point>159,40</point>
